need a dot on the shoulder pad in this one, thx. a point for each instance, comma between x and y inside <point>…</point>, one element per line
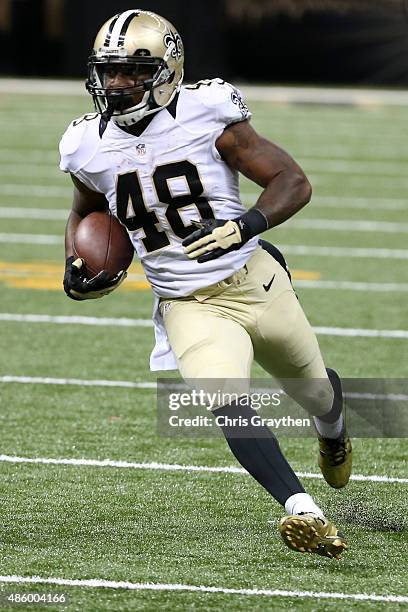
<point>80,143</point>
<point>222,98</point>
<point>209,90</point>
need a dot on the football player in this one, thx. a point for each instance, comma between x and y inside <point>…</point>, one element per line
<point>165,160</point>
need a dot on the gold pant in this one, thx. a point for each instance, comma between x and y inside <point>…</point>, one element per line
<point>218,331</point>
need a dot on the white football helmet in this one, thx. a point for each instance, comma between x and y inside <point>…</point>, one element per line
<point>135,42</point>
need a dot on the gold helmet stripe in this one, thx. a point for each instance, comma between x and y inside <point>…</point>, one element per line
<point>120,28</point>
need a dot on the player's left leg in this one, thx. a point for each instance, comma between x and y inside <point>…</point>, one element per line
<point>289,351</point>
<point>255,446</point>
<point>305,529</point>
<point>286,347</point>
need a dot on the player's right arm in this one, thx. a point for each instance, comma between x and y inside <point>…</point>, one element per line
<point>85,201</point>
<point>76,285</point>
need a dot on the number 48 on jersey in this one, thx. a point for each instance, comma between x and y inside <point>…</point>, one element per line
<point>129,189</point>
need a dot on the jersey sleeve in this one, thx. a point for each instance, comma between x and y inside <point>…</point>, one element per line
<point>233,108</point>
<point>223,103</point>
<point>78,147</point>
<point>226,101</point>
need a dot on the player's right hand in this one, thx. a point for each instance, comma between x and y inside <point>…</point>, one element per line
<point>78,287</point>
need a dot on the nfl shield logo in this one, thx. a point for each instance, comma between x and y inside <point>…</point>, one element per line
<point>141,149</point>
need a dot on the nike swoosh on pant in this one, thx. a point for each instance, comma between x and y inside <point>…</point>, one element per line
<point>268,286</point>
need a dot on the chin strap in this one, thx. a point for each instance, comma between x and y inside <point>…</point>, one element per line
<point>107,114</point>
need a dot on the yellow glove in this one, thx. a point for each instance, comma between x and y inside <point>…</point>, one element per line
<point>215,237</point>
<point>213,234</point>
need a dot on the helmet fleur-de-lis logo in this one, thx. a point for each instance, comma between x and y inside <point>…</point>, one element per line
<point>172,39</point>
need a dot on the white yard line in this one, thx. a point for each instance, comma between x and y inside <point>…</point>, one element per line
<point>97,583</point>
<point>324,95</point>
<point>275,93</point>
<point>126,322</point>
<point>316,173</point>
<point>373,204</point>
<point>349,252</point>
<point>391,397</point>
<point>127,384</point>
<point>51,214</point>
<point>362,151</point>
<point>33,156</point>
<point>351,285</point>
<point>357,203</point>
<point>341,163</point>
<point>31,239</point>
<point>375,183</point>
<point>292,249</point>
<point>341,202</point>
<point>30,170</point>
<point>174,467</point>
<point>352,166</point>
<point>317,153</point>
<point>362,333</point>
<point>37,191</point>
<point>38,380</point>
<point>334,225</point>
<point>348,225</point>
<point>41,164</point>
<point>78,320</point>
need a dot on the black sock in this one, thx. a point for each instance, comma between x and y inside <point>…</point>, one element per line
<point>336,409</point>
<point>258,451</point>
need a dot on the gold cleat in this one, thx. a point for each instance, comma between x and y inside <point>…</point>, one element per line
<point>335,460</point>
<point>313,534</point>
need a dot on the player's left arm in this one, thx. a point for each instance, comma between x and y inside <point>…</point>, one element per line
<point>286,190</point>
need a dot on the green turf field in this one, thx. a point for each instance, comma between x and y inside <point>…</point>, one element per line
<point>199,528</point>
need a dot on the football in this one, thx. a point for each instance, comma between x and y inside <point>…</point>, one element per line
<point>103,243</point>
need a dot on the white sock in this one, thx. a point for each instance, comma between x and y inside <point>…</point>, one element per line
<point>329,430</point>
<point>301,502</point>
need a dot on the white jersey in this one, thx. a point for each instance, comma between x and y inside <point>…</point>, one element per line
<point>159,182</point>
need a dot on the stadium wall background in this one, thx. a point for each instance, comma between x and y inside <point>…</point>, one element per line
<point>53,38</point>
